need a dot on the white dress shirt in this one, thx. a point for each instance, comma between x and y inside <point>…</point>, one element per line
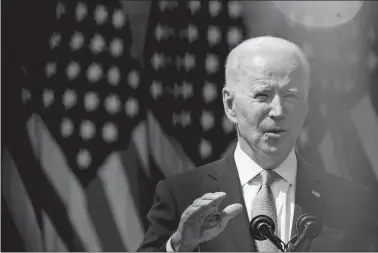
<point>283,190</point>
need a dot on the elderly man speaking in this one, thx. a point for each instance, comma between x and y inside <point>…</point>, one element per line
<point>210,208</point>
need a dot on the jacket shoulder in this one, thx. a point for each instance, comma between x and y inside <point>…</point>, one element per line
<point>190,185</point>
<point>195,174</point>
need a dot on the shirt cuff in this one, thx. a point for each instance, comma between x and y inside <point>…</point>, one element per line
<point>168,247</point>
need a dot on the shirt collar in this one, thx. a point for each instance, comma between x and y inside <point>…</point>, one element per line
<point>248,169</point>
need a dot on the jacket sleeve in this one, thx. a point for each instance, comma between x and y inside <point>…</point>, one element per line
<point>163,220</point>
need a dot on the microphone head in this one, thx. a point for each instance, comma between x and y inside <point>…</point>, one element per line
<point>259,225</point>
<point>309,221</point>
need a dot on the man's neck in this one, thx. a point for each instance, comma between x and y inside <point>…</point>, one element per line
<point>264,160</point>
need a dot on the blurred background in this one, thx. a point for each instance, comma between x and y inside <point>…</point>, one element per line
<point>102,99</point>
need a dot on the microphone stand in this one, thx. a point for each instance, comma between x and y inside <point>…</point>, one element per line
<point>268,233</point>
<point>307,229</point>
<point>262,228</point>
<point>302,240</point>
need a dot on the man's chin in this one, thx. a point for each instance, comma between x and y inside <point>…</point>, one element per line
<point>274,149</point>
<point>270,149</point>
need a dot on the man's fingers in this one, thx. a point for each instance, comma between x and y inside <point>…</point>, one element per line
<point>200,202</point>
<point>210,200</point>
<point>230,212</point>
<point>224,217</point>
<point>213,195</point>
<point>211,204</point>
<point>217,198</point>
<point>205,205</point>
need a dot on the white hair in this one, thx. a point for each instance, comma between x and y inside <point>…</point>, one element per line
<point>233,71</point>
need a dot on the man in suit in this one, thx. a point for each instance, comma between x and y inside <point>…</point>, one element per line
<point>210,208</point>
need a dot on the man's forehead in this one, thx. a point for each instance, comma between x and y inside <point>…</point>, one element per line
<point>269,68</point>
<point>269,61</point>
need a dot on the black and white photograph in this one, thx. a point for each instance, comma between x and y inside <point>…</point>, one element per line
<point>189,125</point>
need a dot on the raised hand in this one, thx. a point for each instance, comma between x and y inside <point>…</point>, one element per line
<point>202,221</point>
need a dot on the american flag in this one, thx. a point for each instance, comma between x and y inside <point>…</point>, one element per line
<point>85,110</point>
<point>104,130</point>
<point>186,48</point>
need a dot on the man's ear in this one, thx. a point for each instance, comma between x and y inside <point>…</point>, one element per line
<point>229,104</point>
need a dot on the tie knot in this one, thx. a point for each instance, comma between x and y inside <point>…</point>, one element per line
<point>267,177</point>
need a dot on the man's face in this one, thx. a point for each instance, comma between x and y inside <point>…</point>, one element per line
<point>270,101</point>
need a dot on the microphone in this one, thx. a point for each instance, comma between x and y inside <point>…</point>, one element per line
<point>309,222</point>
<point>308,228</point>
<point>262,227</point>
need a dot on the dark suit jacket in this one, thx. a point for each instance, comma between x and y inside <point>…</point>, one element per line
<point>341,206</point>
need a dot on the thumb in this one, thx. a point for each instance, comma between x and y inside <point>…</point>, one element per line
<point>230,212</point>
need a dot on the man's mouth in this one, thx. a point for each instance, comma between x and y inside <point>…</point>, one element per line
<point>276,131</point>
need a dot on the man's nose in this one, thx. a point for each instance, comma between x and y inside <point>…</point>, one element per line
<point>277,109</point>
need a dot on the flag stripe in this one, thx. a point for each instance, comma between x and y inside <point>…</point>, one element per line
<point>327,150</point>
<point>121,201</point>
<point>139,137</point>
<point>166,152</point>
<point>18,146</point>
<point>66,185</point>
<point>19,204</point>
<point>11,241</point>
<point>43,194</point>
<point>366,124</point>
<point>142,186</point>
<point>102,217</point>
<point>52,240</point>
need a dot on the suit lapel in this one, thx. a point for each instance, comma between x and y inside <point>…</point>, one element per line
<point>227,180</point>
<point>308,194</point>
